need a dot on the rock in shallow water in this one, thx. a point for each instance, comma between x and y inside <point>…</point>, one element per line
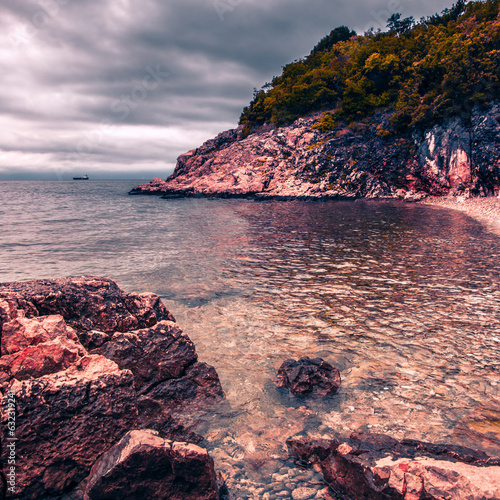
<point>309,376</point>
<point>303,493</point>
<point>144,466</point>
<point>378,467</point>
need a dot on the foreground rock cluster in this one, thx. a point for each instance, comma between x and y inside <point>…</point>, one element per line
<point>360,160</point>
<point>83,366</point>
<point>378,467</point>
<point>100,389</point>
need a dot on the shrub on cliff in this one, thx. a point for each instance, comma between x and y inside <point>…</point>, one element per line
<point>423,72</point>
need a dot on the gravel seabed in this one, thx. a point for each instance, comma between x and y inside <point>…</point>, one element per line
<point>484,210</point>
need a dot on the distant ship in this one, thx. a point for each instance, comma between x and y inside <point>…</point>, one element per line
<point>83,178</point>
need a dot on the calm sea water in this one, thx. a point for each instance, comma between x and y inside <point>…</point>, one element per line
<point>403,299</point>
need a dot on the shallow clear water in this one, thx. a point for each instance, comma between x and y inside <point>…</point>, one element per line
<point>403,299</point>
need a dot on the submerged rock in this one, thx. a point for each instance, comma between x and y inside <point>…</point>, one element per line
<point>308,376</point>
<point>378,467</point>
<point>145,466</point>
<point>311,450</point>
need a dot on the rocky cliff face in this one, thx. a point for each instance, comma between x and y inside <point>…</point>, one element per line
<point>362,160</point>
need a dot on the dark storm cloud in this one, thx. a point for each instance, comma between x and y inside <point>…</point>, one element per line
<point>131,84</point>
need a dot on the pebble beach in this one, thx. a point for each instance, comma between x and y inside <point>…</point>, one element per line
<point>485,210</point>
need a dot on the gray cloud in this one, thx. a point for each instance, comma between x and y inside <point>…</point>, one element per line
<point>122,88</point>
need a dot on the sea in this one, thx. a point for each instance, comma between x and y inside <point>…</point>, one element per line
<point>403,298</point>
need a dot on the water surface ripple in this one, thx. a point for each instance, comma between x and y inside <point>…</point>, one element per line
<point>404,299</point>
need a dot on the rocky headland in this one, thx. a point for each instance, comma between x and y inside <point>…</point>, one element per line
<point>348,162</point>
<point>406,113</point>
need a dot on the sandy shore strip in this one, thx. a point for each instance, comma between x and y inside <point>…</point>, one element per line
<point>484,210</point>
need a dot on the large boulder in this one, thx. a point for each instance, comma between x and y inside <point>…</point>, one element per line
<point>65,421</point>
<point>308,376</point>
<point>199,383</point>
<point>90,304</point>
<point>173,386</point>
<point>378,467</point>
<point>143,466</point>
<point>142,371</point>
<point>155,354</point>
<point>134,330</point>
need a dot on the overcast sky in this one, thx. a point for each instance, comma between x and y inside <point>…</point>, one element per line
<point>120,88</point>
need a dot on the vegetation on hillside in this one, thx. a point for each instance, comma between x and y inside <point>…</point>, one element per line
<point>422,72</point>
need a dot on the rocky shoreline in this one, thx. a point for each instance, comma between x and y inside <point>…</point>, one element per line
<point>378,467</point>
<point>360,160</point>
<point>100,391</point>
<point>83,365</point>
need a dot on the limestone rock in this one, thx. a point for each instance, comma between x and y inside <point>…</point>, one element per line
<point>66,420</point>
<point>173,386</point>
<point>199,383</point>
<point>378,467</point>
<point>22,332</point>
<point>41,359</point>
<point>154,186</point>
<point>308,376</point>
<point>39,346</point>
<point>159,353</point>
<point>14,306</point>
<point>90,303</point>
<point>145,466</point>
<point>72,406</point>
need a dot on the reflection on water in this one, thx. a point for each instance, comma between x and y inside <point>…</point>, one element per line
<point>403,299</point>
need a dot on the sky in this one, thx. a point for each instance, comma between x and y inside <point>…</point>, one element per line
<point>120,88</point>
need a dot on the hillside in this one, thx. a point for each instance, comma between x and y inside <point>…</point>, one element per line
<point>440,67</point>
<point>401,114</point>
